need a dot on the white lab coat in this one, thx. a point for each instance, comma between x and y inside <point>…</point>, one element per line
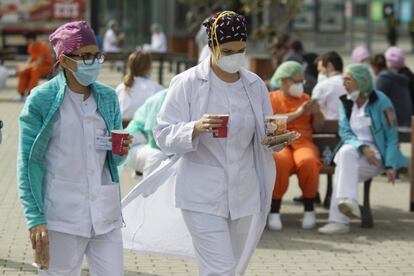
<point>158,43</point>
<point>327,92</point>
<point>109,43</point>
<point>132,99</point>
<point>186,102</point>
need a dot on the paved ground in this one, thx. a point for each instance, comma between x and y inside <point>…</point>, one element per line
<point>387,249</point>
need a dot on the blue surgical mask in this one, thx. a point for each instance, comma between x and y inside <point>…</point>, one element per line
<point>86,74</point>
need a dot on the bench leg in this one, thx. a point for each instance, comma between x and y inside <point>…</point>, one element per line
<point>367,221</point>
<point>327,200</point>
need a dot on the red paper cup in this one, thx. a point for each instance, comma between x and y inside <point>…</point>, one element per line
<point>118,138</point>
<point>221,132</point>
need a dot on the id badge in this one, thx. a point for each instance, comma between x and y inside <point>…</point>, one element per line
<point>102,142</point>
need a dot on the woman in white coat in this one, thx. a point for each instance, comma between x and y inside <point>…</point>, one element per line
<point>223,185</point>
<point>137,85</point>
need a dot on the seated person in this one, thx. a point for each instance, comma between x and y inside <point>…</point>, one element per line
<point>368,146</point>
<point>137,85</point>
<point>302,156</point>
<point>145,155</point>
<point>38,65</point>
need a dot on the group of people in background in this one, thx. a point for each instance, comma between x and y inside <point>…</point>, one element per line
<point>227,190</point>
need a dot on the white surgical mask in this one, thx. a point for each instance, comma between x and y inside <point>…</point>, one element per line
<point>296,90</point>
<point>354,95</point>
<point>232,63</point>
<point>322,77</point>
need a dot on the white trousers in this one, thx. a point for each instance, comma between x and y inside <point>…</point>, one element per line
<point>218,242</point>
<point>145,159</point>
<point>104,254</point>
<point>351,169</point>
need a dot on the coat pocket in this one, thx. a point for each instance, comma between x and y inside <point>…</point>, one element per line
<point>65,201</point>
<point>110,205</point>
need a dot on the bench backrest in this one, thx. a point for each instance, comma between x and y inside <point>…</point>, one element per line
<point>327,136</point>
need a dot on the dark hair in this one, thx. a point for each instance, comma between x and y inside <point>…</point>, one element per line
<point>278,46</point>
<point>283,39</point>
<point>138,64</point>
<point>297,46</point>
<point>30,35</point>
<point>378,61</point>
<point>310,68</point>
<point>332,57</point>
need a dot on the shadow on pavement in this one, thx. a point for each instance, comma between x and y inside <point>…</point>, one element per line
<point>22,266</point>
<point>390,224</point>
<point>12,101</point>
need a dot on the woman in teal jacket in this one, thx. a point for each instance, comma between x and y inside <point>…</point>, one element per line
<point>369,145</point>
<point>68,182</point>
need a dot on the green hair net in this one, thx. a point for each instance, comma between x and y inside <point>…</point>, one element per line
<point>157,27</point>
<point>111,23</point>
<point>286,70</point>
<point>363,78</point>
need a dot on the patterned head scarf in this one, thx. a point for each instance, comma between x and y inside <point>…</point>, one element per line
<point>225,27</point>
<point>71,37</point>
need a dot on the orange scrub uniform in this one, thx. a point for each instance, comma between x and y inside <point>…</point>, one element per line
<point>29,78</point>
<point>301,157</point>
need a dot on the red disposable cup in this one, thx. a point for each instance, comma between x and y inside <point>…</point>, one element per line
<point>118,138</point>
<point>221,132</point>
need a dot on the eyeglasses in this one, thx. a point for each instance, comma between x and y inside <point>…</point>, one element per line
<point>89,58</point>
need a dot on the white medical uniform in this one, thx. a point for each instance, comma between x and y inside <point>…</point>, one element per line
<point>230,190</point>
<point>158,43</point>
<point>109,42</point>
<point>327,92</point>
<point>82,207</point>
<point>352,166</point>
<point>130,100</point>
<point>159,228</point>
<point>217,180</point>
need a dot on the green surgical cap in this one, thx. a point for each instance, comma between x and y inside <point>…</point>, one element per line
<point>111,24</point>
<point>362,76</point>
<point>157,27</point>
<point>286,70</point>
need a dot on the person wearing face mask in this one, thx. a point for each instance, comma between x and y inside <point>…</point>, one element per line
<point>223,186</point>
<point>68,183</point>
<point>368,146</point>
<point>329,87</point>
<point>302,156</point>
<point>137,85</point>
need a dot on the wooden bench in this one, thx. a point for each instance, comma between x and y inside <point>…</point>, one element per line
<point>328,136</point>
<point>7,54</point>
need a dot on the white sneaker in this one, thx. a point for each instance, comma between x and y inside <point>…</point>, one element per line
<point>273,222</point>
<point>309,220</point>
<point>349,208</point>
<point>333,228</point>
